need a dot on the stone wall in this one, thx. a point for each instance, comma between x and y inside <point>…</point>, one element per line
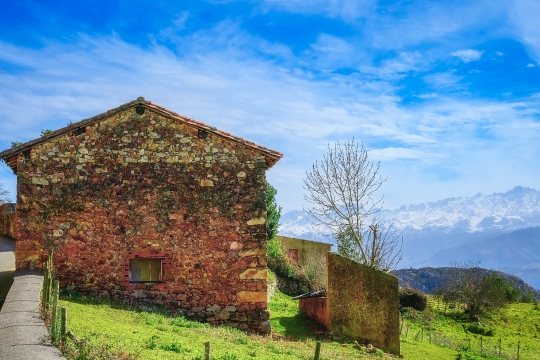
<point>307,250</point>
<point>150,186</point>
<point>363,303</point>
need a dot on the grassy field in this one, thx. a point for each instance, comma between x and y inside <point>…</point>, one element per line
<point>433,330</point>
<point>109,331</point>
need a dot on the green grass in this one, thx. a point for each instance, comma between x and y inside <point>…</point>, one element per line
<point>112,331</point>
<point>451,331</point>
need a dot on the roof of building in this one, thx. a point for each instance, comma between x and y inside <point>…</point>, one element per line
<point>312,294</point>
<point>271,156</point>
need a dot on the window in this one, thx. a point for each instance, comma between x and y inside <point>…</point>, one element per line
<point>145,270</point>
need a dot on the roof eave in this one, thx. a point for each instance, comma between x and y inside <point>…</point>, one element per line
<point>8,155</point>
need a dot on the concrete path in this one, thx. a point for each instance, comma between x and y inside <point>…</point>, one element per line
<point>23,335</point>
<point>7,266</point>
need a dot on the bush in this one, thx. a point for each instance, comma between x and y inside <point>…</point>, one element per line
<point>528,297</point>
<point>477,329</point>
<point>295,280</point>
<point>409,297</point>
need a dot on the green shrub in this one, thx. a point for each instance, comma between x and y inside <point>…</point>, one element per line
<point>528,297</point>
<point>412,298</point>
<point>477,329</point>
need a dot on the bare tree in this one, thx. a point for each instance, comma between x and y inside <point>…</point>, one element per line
<point>3,195</point>
<point>341,189</point>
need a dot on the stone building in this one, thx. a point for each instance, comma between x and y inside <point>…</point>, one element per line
<point>143,204</point>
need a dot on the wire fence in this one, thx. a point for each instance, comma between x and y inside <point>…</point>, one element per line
<point>480,345</point>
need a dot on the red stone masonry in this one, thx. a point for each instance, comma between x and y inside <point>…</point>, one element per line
<point>141,180</point>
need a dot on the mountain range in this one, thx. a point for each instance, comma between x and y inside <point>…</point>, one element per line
<point>501,230</point>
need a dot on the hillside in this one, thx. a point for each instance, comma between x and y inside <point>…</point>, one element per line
<point>428,279</point>
<point>112,331</point>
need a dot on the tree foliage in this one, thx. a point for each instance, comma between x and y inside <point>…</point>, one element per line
<point>341,190</point>
<point>273,211</point>
<point>478,291</point>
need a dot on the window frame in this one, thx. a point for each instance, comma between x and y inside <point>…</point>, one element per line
<point>150,259</point>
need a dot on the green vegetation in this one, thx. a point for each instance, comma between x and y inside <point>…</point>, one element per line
<point>14,144</point>
<point>444,332</point>
<point>46,132</point>
<point>273,211</point>
<point>479,291</point>
<point>106,329</point>
<point>409,297</point>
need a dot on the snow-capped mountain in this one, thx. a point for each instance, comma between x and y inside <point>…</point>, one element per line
<point>430,228</point>
<point>516,209</point>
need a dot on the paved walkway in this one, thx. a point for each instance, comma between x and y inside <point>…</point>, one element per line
<point>23,335</point>
<point>7,265</point>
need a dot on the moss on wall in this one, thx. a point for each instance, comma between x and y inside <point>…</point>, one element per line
<point>306,248</point>
<point>363,303</point>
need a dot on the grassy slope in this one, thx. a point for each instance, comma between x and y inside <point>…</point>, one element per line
<point>517,322</point>
<point>161,336</point>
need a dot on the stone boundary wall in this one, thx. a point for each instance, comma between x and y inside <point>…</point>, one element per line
<point>22,331</point>
<point>363,303</point>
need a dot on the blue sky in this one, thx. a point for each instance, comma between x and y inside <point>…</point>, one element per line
<point>445,94</point>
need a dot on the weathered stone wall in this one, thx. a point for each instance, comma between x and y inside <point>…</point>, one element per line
<point>149,186</point>
<point>363,303</point>
<point>307,250</point>
<point>7,221</point>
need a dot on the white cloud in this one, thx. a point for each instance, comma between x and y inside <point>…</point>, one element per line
<point>467,55</point>
<point>529,65</point>
<point>443,80</point>
<point>392,153</point>
<point>219,77</point>
<point>524,15</point>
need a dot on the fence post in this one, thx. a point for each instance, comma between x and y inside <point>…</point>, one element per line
<point>500,346</point>
<point>207,351</point>
<point>317,350</point>
<point>429,332</point>
<point>54,309</point>
<point>45,289</point>
<point>63,323</point>
<point>481,346</point>
<point>519,343</point>
<point>469,344</point>
<point>407,332</point>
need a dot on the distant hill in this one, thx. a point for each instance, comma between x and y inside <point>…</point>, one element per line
<point>429,279</point>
